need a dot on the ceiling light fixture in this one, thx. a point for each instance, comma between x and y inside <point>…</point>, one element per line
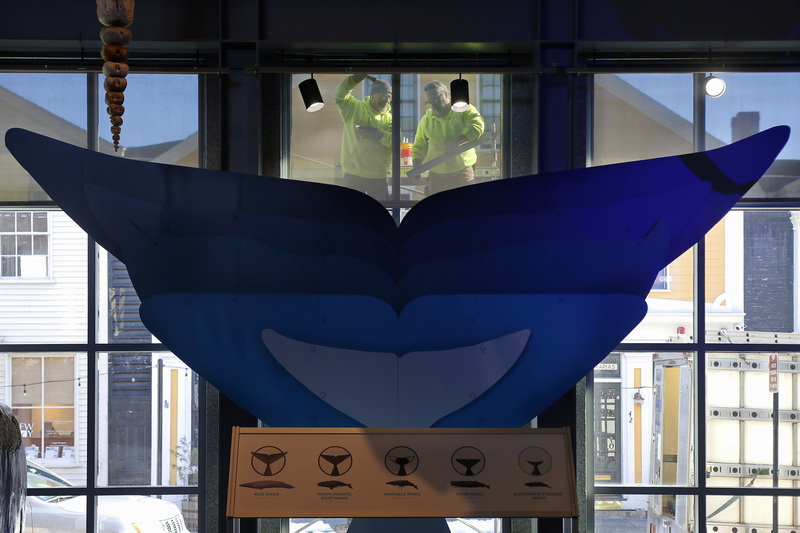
<point>714,86</point>
<point>312,98</point>
<point>459,95</point>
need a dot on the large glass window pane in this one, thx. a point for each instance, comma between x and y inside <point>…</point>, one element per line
<point>148,420</point>
<point>670,312</point>
<point>621,513</point>
<point>641,116</point>
<point>50,406</point>
<point>339,143</point>
<point>50,104</point>
<point>162,513</point>
<point>752,514</point>
<point>755,102</point>
<point>752,280</point>
<point>118,303</point>
<point>44,275</point>
<point>633,513</point>
<point>741,414</point>
<point>749,280</point>
<point>637,116</point>
<point>643,423</point>
<point>43,279</point>
<point>169,101</point>
<point>340,525</point>
<point>436,116</point>
<point>54,512</point>
<point>160,120</point>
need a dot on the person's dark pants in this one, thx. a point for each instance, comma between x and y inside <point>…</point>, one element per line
<point>442,182</point>
<point>375,187</point>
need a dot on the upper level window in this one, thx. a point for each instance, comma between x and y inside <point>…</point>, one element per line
<point>24,244</point>
<point>357,137</point>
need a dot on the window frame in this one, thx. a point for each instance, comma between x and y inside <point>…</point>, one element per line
<point>700,490</point>
<point>92,348</point>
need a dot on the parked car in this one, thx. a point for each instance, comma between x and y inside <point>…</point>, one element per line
<point>118,514</point>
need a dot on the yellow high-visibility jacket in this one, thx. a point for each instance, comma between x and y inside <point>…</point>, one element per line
<point>435,132</point>
<point>367,158</point>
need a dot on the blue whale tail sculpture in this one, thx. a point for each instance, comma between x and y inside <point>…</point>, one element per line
<point>309,306</point>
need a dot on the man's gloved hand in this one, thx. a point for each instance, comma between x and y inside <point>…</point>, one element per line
<point>368,132</point>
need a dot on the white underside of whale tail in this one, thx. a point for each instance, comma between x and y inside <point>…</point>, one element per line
<point>415,389</point>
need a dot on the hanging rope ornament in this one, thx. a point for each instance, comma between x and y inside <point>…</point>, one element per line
<point>116,15</point>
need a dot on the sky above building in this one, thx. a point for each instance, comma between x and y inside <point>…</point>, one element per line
<point>772,95</point>
<point>158,107</point>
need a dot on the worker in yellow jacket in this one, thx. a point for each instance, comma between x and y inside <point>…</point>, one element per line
<point>367,135</point>
<point>441,130</point>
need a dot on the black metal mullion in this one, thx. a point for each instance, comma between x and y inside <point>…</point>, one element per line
<point>700,323</point>
<point>92,143</point>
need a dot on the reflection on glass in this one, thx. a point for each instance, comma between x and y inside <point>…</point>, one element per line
<point>752,278</point>
<point>118,305</point>
<point>148,420</point>
<point>44,277</point>
<point>340,525</point>
<point>155,514</point>
<point>117,514</point>
<point>441,137</point>
<point>755,102</point>
<point>43,272</point>
<point>160,126</point>
<point>670,303</point>
<point>43,401</point>
<point>366,134</point>
<point>326,145</point>
<point>608,420</point>
<point>30,101</point>
<point>160,119</point>
<point>642,419</point>
<point>752,514</point>
<point>632,513</point>
<point>746,394</point>
<point>53,512</point>
<point>319,525</point>
<point>620,513</point>
<point>637,116</point>
<point>641,116</point>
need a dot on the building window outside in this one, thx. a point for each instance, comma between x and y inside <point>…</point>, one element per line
<point>662,280</point>
<point>24,244</point>
<point>43,400</point>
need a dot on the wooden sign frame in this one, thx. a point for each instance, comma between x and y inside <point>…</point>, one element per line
<point>344,472</point>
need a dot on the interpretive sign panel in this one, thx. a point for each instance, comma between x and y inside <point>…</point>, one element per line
<point>286,472</point>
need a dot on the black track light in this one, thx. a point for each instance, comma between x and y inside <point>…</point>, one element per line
<point>311,95</point>
<point>459,95</point>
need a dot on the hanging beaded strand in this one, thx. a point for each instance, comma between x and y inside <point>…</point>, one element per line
<point>116,16</point>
